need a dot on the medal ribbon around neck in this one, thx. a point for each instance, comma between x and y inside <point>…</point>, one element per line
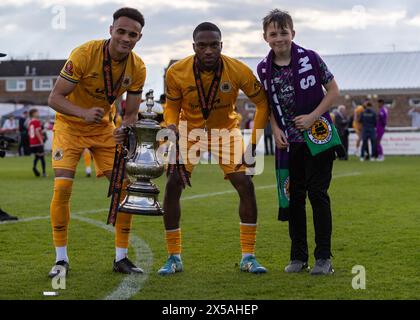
<point>111,91</point>
<point>207,101</point>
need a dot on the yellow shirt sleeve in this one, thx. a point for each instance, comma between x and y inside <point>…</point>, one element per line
<point>173,99</point>
<point>138,83</point>
<point>76,65</point>
<point>254,91</point>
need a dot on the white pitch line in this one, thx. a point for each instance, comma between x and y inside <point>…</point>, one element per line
<point>131,284</point>
<point>24,220</point>
<point>212,194</point>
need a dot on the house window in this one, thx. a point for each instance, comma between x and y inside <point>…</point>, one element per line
<point>42,84</point>
<point>390,103</point>
<point>15,85</point>
<point>414,102</point>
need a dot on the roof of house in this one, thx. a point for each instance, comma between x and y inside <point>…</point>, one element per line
<point>28,68</point>
<point>369,71</point>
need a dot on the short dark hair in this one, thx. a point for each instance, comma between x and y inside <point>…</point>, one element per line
<point>206,26</point>
<point>280,18</point>
<point>381,101</point>
<point>32,112</point>
<point>129,13</point>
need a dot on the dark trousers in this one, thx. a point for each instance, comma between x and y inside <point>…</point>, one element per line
<point>310,175</point>
<point>369,134</point>
<point>24,148</point>
<point>268,144</point>
<point>345,142</point>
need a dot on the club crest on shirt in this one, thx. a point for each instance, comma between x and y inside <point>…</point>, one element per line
<point>225,87</point>
<point>320,132</point>
<point>286,188</point>
<point>68,68</point>
<point>126,81</point>
<point>58,154</point>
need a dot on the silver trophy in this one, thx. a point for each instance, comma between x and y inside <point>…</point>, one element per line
<point>143,165</point>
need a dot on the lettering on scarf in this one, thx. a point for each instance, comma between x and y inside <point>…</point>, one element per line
<point>305,66</point>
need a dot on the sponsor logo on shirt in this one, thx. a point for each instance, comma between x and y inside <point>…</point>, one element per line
<point>191,89</point>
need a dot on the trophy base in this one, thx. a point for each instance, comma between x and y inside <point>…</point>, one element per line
<point>142,200</point>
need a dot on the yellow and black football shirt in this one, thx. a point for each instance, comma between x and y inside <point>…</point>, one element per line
<point>85,68</point>
<point>183,102</point>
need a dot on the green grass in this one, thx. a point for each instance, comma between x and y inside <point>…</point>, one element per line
<point>376,223</point>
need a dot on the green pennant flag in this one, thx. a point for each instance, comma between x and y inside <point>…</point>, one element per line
<point>283,182</point>
<point>283,187</point>
<point>321,136</point>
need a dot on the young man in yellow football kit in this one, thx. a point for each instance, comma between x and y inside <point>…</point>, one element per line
<point>95,74</point>
<point>201,94</point>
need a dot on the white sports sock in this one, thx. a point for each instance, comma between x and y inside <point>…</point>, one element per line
<point>61,254</point>
<point>120,253</point>
<point>88,170</point>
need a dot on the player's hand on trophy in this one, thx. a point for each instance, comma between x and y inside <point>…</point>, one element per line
<point>94,114</point>
<point>120,134</point>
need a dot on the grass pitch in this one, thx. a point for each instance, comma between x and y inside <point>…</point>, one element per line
<point>376,223</point>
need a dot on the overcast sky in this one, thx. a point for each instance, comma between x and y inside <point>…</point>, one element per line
<point>40,29</point>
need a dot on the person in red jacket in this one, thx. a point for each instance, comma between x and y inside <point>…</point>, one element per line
<point>36,141</point>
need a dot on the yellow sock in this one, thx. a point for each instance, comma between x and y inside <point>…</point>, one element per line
<point>173,241</point>
<point>87,158</point>
<point>123,223</point>
<point>248,235</point>
<point>60,210</point>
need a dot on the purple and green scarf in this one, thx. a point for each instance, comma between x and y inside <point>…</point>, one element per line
<point>308,94</point>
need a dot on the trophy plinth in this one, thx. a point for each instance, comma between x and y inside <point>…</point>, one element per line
<point>143,165</point>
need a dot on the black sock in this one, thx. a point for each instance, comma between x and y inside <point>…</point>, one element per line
<point>35,161</point>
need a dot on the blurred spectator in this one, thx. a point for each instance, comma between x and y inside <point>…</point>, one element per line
<point>368,121</point>
<point>357,126</point>
<point>268,140</point>
<point>249,124</point>
<point>48,125</point>
<point>160,118</point>
<point>342,122</point>
<point>36,141</point>
<point>380,127</point>
<point>87,158</point>
<point>10,124</point>
<point>24,138</point>
<point>414,113</point>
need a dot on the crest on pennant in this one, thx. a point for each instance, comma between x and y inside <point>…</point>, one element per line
<point>320,132</point>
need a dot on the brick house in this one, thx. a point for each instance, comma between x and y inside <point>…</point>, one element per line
<point>392,76</point>
<point>28,81</point>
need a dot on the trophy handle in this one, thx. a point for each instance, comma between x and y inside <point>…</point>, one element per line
<point>132,142</point>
